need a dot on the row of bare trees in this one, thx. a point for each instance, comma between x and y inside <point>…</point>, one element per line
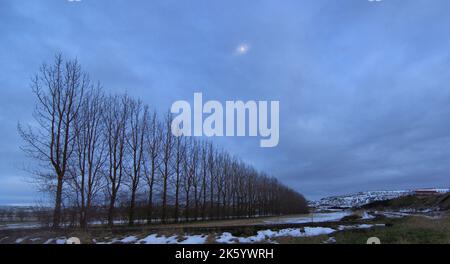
<point>110,153</point>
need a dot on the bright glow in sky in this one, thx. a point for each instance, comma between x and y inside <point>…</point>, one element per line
<point>242,49</point>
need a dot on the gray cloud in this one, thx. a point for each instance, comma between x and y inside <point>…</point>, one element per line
<point>362,86</point>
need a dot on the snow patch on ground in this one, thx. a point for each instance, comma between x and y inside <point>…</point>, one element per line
<point>162,239</point>
<point>316,231</point>
<point>61,240</point>
<point>20,240</point>
<point>155,239</point>
<point>367,216</point>
<point>225,237</point>
<point>129,239</point>
<point>330,240</point>
<point>360,226</point>
<point>268,234</point>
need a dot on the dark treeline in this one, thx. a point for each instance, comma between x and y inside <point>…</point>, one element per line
<point>109,157</point>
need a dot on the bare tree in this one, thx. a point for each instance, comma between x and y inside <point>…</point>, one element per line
<point>180,148</point>
<point>204,168</point>
<point>90,152</point>
<point>196,175</point>
<point>212,175</point>
<point>165,168</point>
<point>135,141</point>
<point>115,118</point>
<point>89,143</point>
<point>59,89</point>
<point>190,163</point>
<point>187,183</point>
<point>152,162</point>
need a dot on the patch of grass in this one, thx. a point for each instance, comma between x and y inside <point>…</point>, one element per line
<point>393,235</point>
<point>409,230</point>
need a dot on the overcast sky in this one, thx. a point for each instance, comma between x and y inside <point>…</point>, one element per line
<point>363,86</point>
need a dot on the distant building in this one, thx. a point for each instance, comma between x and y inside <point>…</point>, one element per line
<point>426,192</point>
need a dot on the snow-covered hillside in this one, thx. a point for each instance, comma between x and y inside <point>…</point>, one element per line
<point>362,198</point>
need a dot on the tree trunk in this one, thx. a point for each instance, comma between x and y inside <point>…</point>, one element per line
<point>111,211</point>
<point>150,206</point>
<point>58,201</point>
<point>132,205</point>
